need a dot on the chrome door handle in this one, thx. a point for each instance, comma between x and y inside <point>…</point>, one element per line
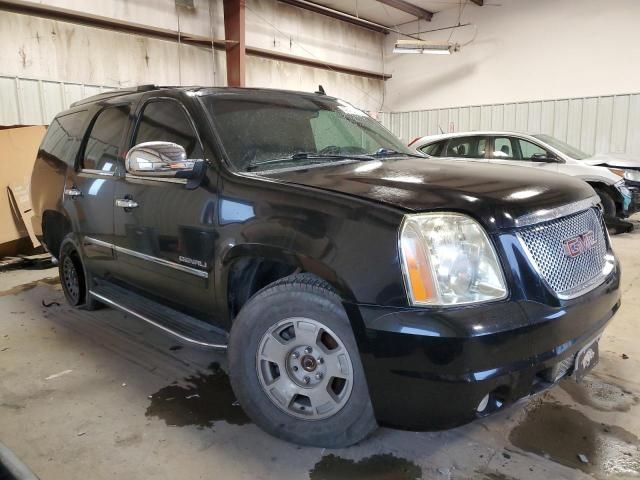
<point>126,203</point>
<point>72,192</point>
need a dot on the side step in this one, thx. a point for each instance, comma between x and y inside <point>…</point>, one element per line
<point>176,323</point>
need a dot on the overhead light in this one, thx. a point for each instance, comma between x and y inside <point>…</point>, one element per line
<point>425,46</point>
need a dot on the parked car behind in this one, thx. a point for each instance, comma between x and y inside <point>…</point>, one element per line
<point>616,180</point>
<point>351,283</point>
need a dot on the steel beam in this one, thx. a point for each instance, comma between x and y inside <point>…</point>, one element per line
<point>234,35</point>
<point>337,14</point>
<point>409,8</point>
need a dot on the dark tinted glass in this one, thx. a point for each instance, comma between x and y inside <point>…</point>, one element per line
<point>466,147</point>
<point>270,127</point>
<point>63,137</point>
<point>103,144</point>
<point>167,121</point>
<point>433,150</point>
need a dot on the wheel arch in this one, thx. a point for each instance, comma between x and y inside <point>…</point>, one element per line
<point>615,195</point>
<point>246,269</point>
<point>56,227</point>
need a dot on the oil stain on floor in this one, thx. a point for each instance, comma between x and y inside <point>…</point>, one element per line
<point>201,400</point>
<point>564,435</point>
<point>376,467</point>
<point>600,395</point>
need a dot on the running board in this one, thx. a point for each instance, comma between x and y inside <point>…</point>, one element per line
<point>176,323</point>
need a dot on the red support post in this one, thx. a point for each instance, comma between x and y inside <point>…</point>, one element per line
<point>234,34</point>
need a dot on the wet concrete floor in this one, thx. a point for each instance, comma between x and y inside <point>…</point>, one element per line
<point>101,395</point>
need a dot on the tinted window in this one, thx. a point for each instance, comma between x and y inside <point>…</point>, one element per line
<point>167,121</point>
<point>64,136</point>
<point>434,150</point>
<point>265,131</point>
<point>466,147</point>
<point>103,144</point>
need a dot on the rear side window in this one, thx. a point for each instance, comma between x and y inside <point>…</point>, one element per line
<point>103,144</point>
<point>167,121</point>
<point>64,136</point>
<point>434,150</point>
<point>466,147</point>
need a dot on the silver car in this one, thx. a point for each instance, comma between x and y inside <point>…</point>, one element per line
<point>616,180</point>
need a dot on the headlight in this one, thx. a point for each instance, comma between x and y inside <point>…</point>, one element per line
<point>633,175</point>
<point>447,259</point>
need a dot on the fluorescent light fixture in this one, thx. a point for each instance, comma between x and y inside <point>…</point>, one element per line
<point>425,46</point>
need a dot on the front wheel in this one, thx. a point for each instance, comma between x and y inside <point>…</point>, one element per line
<point>295,368</point>
<point>608,204</point>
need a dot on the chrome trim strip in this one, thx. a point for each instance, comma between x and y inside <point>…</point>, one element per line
<point>149,258</point>
<point>114,304</point>
<point>99,243</point>
<point>131,176</point>
<point>545,215</point>
<point>97,172</point>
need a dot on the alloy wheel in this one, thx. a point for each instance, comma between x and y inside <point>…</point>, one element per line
<point>304,368</point>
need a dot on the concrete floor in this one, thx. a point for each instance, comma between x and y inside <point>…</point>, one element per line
<point>96,395</point>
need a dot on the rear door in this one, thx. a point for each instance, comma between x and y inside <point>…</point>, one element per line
<point>473,147</point>
<point>165,243</point>
<point>89,188</point>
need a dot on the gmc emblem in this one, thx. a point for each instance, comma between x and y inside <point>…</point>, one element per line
<point>579,244</point>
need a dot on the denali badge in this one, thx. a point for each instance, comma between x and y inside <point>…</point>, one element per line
<point>192,261</point>
<point>579,244</point>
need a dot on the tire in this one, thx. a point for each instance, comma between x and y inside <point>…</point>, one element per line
<point>608,204</point>
<point>73,277</point>
<point>332,409</point>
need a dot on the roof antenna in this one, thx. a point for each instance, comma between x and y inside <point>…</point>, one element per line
<point>441,130</point>
<point>320,90</point>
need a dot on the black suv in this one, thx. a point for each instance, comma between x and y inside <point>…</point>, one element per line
<point>352,284</point>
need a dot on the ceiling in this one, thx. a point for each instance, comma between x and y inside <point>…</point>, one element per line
<point>377,12</point>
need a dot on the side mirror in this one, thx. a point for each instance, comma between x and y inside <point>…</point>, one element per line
<point>160,159</point>
<point>543,158</point>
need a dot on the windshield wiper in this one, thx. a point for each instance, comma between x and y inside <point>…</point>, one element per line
<point>314,157</point>
<point>388,152</point>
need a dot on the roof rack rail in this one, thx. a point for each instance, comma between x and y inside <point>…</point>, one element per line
<point>116,92</point>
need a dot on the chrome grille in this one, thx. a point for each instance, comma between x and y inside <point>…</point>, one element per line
<point>567,275</point>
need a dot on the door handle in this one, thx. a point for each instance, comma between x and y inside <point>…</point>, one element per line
<point>126,203</point>
<point>72,192</point>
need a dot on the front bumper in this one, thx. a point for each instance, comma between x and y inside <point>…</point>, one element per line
<point>430,369</point>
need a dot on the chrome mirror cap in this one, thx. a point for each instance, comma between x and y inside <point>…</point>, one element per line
<point>158,159</point>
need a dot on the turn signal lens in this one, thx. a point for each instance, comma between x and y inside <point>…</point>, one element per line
<point>448,259</point>
<point>416,266</point>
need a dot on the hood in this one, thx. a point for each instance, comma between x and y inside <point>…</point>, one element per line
<point>613,160</point>
<point>496,195</point>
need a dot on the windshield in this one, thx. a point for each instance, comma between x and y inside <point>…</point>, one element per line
<point>282,130</point>
<point>565,148</point>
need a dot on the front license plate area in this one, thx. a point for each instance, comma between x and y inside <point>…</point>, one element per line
<point>586,359</point>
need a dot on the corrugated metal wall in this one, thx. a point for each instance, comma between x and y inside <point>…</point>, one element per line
<point>605,124</point>
<point>26,101</point>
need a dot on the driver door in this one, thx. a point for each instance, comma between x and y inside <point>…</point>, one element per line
<point>518,151</point>
<point>165,232</point>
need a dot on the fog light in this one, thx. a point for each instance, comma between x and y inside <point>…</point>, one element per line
<point>483,404</point>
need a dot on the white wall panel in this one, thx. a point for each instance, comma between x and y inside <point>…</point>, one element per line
<point>27,101</point>
<point>606,124</point>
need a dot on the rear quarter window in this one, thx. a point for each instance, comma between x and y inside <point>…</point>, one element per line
<point>63,137</point>
<point>433,149</point>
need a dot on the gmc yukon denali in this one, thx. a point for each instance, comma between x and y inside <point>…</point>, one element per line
<point>351,284</point>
